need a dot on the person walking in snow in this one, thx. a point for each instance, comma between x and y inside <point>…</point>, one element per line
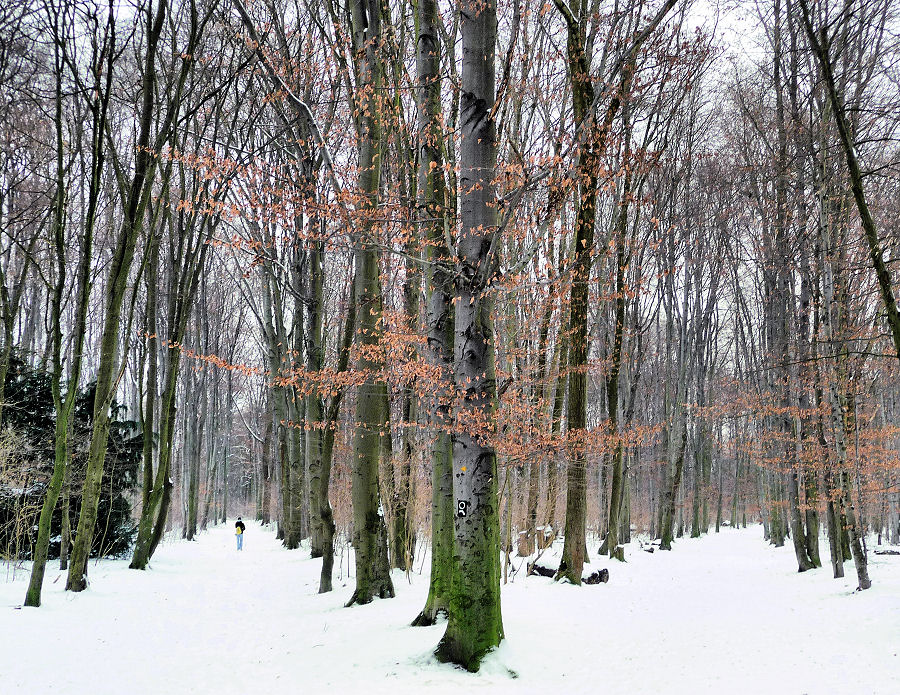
<point>239,533</point>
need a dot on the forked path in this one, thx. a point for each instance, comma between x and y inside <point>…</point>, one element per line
<point>725,613</point>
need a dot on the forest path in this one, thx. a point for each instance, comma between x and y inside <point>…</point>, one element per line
<point>724,613</point>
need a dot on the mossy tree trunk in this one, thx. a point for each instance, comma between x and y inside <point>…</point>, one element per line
<point>370,532</point>
<point>439,321</point>
<point>474,625</point>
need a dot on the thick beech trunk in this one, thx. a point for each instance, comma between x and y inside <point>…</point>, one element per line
<point>369,529</point>
<point>439,320</point>
<point>475,626</point>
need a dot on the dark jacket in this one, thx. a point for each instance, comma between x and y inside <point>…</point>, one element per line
<point>240,525</point>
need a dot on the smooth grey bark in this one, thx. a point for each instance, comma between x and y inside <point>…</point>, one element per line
<point>805,425</point>
<point>151,383</point>
<point>528,537</point>
<point>672,486</point>
<point>475,626</point>
<point>403,536</point>
<point>224,514</point>
<point>10,301</point>
<point>187,254</point>
<point>196,423</point>
<point>846,510</point>
<point>268,469</point>
<point>18,241</point>
<point>677,416</point>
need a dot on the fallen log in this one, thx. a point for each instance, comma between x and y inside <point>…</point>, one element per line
<point>535,568</point>
<point>598,577</point>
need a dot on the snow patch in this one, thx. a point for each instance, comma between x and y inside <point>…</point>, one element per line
<point>713,615</point>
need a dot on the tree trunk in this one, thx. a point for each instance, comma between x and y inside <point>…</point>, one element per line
<point>616,495</point>
<point>805,426</point>
<point>671,493</point>
<point>297,469</point>
<point>224,515</point>
<point>196,423</point>
<point>321,502</point>
<point>315,361</point>
<point>782,311</point>
<point>439,320</point>
<point>556,417</point>
<point>64,406</point>
<point>404,538</point>
<point>65,534</point>
<point>849,525</point>
<point>595,142</point>
<point>369,530</point>
<point>475,626</point>
<point>528,537</point>
<point>573,557</point>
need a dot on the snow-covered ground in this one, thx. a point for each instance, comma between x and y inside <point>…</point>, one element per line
<point>721,614</point>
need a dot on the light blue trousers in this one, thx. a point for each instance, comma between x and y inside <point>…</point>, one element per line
<point>240,541</point>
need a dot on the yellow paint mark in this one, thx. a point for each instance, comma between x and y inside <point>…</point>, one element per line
<point>463,469</point>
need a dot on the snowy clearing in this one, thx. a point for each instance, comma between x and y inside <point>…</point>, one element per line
<point>726,613</point>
